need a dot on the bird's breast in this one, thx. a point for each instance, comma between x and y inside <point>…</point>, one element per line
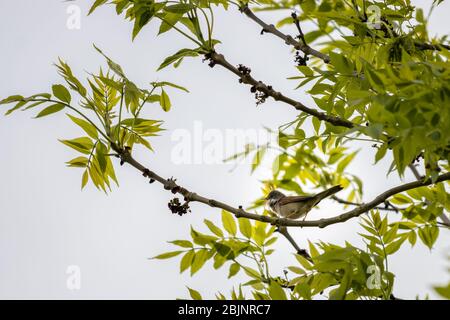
<point>294,210</point>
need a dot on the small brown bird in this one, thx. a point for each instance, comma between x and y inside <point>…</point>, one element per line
<point>294,207</point>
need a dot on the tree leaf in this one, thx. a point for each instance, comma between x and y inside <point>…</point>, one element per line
<point>276,292</point>
<point>213,228</point>
<point>245,227</point>
<point>84,179</point>
<point>86,126</point>
<point>167,255</point>
<point>83,145</point>
<point>228,222</point>
<point>200,258</point>
<point>179,8</point>
<point>195,294</point>
<point>61,92</point>
<point>182,243</point>
<point>96,4</point>
<point>164,101</point>
<point>186,260</point>
<point>50,110</point>
<point>234,269</point>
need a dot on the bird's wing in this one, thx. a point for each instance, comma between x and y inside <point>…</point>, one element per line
<point>293,199</point>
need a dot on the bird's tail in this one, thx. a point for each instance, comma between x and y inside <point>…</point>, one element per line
<point>324,194</point>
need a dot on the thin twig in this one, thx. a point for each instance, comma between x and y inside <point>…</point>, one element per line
<point>278,96</point>
<point>289,40</point>
<point>388,206</point>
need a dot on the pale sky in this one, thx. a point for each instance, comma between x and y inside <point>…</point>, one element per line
<point>47,224</point>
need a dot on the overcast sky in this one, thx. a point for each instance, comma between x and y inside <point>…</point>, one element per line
<point>47,224</point>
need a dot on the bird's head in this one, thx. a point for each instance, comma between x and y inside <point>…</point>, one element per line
<point>274,196</point>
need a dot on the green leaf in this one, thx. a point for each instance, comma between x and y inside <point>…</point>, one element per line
<point>170,20</point>
<point>141,20</point>
<point>179,8</point>
<point>276,292</point>
<point>195,294</point>
<point>341,63</point>
<point>400,199</point>
<point>390,234</point>
<point>79,162</point>
<point>164,101</point>
<point>84,179</point>
<point>213,228</point>
<point>200,238</point>
<point>50,110</point>
<point>394,246</point>
<point>182,243</point>
<point>96,4</point>
<point>444,291</point>
<point>200,259</point>
<point>345,162</point>
<point>167,255</point>
<point>306,70</point>
<point>304,262</point>
<point>428,235</point>
<point>177,56</point>
<point>228,222</point>
<point>412,237</point>
<point>14,98</point>
<point>186,260</point>
<point>234,269</point>
<point>245,227</point>
<point>169,84</point>
<point>270,241</point>
<point>258,158</point>
<point>61,92</point>
<point>312,250</point>
<point>86,126</point>
<point>83,145</point>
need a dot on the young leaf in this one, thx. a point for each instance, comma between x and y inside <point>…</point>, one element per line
<point>195,294</point>
<point>186,261</point>
<point>83,145</point>
<point>61,92</point>
<point>167,255</point>
<point>164,101</point>
<point>213,228</point>
<point>84,179</point>
<point>49,110</point>
<point>86,126</point>
<point>276,292</point>
<point>245,227</point>
<point>234,269</point>
<point>228,222</point>
<point>182,243</point>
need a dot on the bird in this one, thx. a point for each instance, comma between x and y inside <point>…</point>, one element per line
<point>295,207</point>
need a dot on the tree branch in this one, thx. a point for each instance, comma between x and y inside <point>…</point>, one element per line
<point>268,90</point>
<point>428,46</point>
<point>289,40</point>
<point>387,205</point>
<point>170,184</point>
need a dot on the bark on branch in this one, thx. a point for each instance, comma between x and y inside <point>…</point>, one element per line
<point>268,90</point>
<point>170,184</point>
<point>289,40</point>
